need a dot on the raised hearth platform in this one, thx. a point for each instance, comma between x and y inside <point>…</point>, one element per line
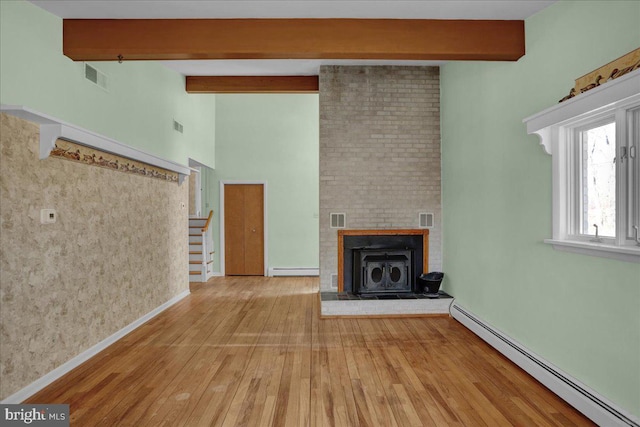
<point>345,304</point>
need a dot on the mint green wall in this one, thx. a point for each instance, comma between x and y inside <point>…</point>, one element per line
<point>274,138</point>
<point>138,109</point>
<point>209,190</point>
<point>581,313</point>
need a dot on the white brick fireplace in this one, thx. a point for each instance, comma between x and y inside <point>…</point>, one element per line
<point>379,154</point>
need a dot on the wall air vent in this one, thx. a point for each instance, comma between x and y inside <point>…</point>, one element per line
<point>425,220</point>
<point>338,220</point>
<point>95,76</point>
<point>177,126</point>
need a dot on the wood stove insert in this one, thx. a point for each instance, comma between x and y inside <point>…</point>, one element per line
<point>381,261</point>
<point>388,271</point>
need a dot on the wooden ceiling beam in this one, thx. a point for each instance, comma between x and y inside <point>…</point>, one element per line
<point>252,84</point>
<point>392,39</point>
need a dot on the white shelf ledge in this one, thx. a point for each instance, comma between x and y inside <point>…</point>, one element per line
<point>52,129</point>
<point>599,98</point>
<point>622,253</point>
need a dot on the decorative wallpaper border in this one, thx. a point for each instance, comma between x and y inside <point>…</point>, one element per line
<point>90,156</point>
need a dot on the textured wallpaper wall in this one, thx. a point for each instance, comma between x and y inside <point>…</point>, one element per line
<point>118,250</point>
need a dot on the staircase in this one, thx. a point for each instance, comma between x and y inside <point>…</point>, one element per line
<point>200,249</point>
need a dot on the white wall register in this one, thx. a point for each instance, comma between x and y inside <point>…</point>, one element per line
<point>594,140</point>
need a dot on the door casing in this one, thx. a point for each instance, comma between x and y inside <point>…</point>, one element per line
<point>196,173</point>
<point>266,223</point>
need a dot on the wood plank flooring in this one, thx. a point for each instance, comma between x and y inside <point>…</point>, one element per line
<point>253,352</point>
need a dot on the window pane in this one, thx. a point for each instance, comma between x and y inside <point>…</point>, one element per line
<point>633,176</point>
<point>598,173</point>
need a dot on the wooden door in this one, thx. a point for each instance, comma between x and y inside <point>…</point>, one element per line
<point>244,229</point>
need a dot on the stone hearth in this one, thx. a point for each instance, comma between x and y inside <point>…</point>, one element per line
<point>349,304</point>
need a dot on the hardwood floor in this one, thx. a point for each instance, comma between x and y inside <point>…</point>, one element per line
<point>253,352</point>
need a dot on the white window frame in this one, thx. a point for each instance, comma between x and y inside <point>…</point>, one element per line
<point>557,128</point>
<point>574,177</point>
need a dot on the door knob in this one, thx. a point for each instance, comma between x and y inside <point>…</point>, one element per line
<point>253,230</point>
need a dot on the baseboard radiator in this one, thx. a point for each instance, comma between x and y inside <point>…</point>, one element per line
<point>597,408</point>
<point>293,271</point>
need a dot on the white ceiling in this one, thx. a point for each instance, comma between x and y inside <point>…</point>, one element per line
<point>273,67</point>
<point>394,9</point>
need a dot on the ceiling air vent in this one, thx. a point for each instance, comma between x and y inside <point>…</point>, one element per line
<point>425,220</point>
<point>95,76</point>
<point>338,220</point>
<point>177,126</point>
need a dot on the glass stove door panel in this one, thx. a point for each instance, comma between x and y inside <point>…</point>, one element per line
<point>374,277</point>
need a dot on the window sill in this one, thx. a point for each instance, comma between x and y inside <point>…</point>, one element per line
<point>622,253</point>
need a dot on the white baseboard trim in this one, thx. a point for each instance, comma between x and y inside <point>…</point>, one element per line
<point>293,271</point>
<point>594,406</point>
<point>50,377</point>
<point>216,274</point>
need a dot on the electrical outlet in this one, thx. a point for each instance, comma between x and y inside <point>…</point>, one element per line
<point>48,216</point>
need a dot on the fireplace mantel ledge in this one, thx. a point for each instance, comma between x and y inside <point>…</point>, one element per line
<point>52,129</point>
